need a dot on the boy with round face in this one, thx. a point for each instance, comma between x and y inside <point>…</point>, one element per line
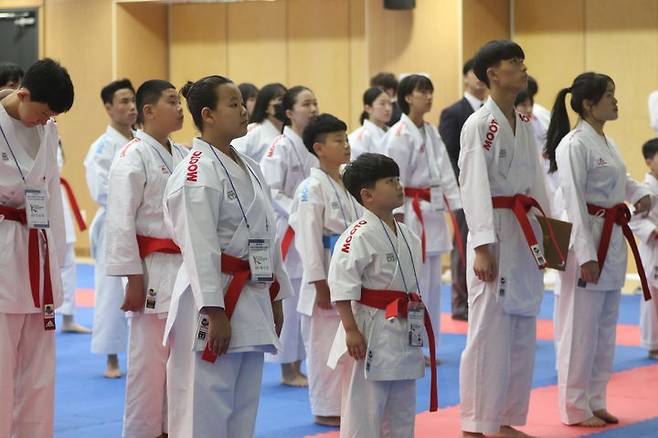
<point>33,248</point>
<point>110,329</point>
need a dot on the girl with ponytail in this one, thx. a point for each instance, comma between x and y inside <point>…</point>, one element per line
<point>377,111</point>
<point>220,323</point>
<point>285,165</point>
<point>594,184</point>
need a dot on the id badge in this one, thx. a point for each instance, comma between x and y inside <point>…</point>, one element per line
<point>49,317</point>
<point>260,260</point>
<point>151,299</point>
<point>416,322</point>
<point>201,337</point>
<point>436,199</point>
<point>36,208</point>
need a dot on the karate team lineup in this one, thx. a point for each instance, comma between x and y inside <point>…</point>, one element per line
<point>281,235</point>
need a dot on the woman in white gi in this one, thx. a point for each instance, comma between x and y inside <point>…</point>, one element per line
<point>501,178</point>
<point>322,209</point>
<point>430,186</point>
<point>110,328</point>
<point>285,165</point>
<point>264,127</point>
<point>141,250</point>
<point>32,242</point>
<point>377,111</point>
<point>646,229</point>
<point>226,307</point>
<point>595,185</point>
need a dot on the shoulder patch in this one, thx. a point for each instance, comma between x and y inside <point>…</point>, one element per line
<point>398,132</point>
<point>491,134</point>
<point>270,151</point>
<point>348,240</point>
<point>125,148</point>
<point>193,166</point>
<point>303,195</point>
<point>524,118</point>
<point>361,133</point>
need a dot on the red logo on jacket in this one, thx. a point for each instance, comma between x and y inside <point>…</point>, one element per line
<point>348,239</point>
<point>491,134</point>
<point>193,167</point>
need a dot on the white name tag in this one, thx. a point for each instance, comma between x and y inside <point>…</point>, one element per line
<point>260,260</point>
<point>416,323</point>
<point>436,199</point>
<point>36,208</point>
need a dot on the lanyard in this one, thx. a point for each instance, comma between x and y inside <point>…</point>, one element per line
<point>12,154</point>
<point>397,258</point>
<point>230,180</point>
<point>340,204</point>
<point>294,149</point>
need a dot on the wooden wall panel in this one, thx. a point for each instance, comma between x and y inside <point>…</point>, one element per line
<point>483,21</point>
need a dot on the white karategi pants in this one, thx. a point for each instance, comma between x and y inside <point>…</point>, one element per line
<point>648,324</point>
<point>430,285</point>
<point>291,334</point>
<point>68,282</point>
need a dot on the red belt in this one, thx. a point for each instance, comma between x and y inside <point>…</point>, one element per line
<point>33,256</point>
<point>620,215</point>
<point>520,206</point>
<point>149,245</point>
<point>286,242</point>
<point>417,194</point>
<point>395,304</point>
<point>74,204</point>
<point>241,273</point>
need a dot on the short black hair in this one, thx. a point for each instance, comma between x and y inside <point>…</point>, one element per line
<point>263,99</point>
<point>491,54</point>
<point>407,86</point>
<point>318,128</point>
<point>149,93</point>
<point>48,82</point>
<point>366,170</point>
<point>248,90</point>
<point>468,66</point>
<point>10,72</point>
<point>533,87</point>
<point>385,81</point>
<point>107,93</point>
<point>650,149</point>
<point>522,97</point>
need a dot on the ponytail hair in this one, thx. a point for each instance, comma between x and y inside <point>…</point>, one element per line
<point>287,103</point>
<point>369,97</point>
<point>202,94</point>
<point>587,86</point>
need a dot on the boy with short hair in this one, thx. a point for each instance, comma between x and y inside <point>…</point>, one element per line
<point>32,230</point>
<point>373,279</point>
<point>322,209</point>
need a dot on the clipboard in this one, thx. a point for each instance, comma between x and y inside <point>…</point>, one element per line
<point>562,232</point>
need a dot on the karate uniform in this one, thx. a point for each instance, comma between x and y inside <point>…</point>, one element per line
<point>497,364</point>
<point>380,396</point>
<point>258,140</point>
<point>653,110</point>
<point>643,227</point>
<point>213,208</point>
<point>138,178</point>
<point>592,172</point>
<point>28,159</point>
<point>285,165</point>
<point>321,210</point>
<point>367,138</point>
<point>424,163</point>
<point>110,329</point>
<point>68,268</point>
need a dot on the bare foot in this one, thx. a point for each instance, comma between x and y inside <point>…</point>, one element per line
<point>112,371</point>
<point>606,416</point>
<point>290,375</point>
<point>472,434</point>
<point>70,326</point>
<point>327,421</point>
<point>653,354</point>
<point>509,431</point>
<point>591,422</point>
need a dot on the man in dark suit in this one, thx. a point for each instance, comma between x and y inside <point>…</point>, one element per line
<point>450,127</point>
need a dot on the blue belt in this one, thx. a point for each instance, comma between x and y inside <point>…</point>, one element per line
<point>330,241</point>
